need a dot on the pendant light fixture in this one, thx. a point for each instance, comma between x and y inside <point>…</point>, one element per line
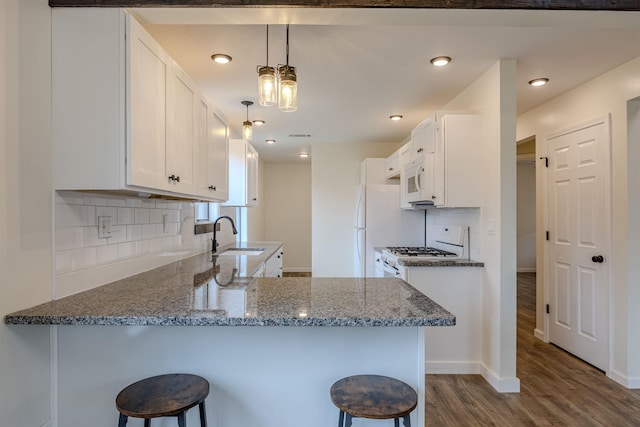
<point>267,83</point>
<point>247,128</point>
<point>287,85</point>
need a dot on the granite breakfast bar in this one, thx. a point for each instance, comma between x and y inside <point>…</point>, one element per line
<point>270,347</point>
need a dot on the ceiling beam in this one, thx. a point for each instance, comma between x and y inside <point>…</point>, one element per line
<point>620,5</point>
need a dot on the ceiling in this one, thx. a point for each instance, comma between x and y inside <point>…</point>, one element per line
<point>356,67</point>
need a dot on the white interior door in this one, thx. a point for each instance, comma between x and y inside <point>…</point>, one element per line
<point>579,216</point>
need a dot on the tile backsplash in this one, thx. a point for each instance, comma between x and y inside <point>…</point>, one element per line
<point>145,234</point>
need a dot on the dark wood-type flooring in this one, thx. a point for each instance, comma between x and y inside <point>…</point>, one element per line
<point>556,388</point>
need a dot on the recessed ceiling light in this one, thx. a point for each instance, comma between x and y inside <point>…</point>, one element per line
<point>221,58</point>
<point>395,117</point>
<point>259,122</point>
<point>271,141</point>
<point>539,82</point>
<point>440,61</point>
<point>303,155</point>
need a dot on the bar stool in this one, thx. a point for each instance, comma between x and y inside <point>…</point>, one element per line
<point>169,395</point>
<point>373,397</point>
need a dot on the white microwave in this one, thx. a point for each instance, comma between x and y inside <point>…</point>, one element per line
<point>418,183</point>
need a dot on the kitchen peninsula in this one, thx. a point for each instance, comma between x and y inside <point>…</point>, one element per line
<point>290,339</point>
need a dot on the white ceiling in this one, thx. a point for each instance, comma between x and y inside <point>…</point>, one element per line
<point>358,66</point>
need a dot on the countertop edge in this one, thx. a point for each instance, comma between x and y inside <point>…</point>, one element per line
<point>190,321</point>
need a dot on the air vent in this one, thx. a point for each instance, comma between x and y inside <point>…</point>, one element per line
<point>299,135</point>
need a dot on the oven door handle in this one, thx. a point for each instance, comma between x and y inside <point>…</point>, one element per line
<point>390,269</point>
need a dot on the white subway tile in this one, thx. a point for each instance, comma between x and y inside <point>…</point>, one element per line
<point>155,245</point>
<point>162,204</point>
<point>106,254</point>
<point>141,216</point>
<point>155,216</point>
<point>143,247</point>
<point>148,231</point>
<point>90,237</point>
<point>148,204</point>
<point>172,228</point>
<point>125,216</point>
<point>117,202</point>
<point>63,261</point>
<point>81,215</point>
<point>118,234</point>
<point>107,211</point>
<point>68,238</point>
<point>94,200</point>
<point>134,203</point>
<point>175,216</point>
<point>83,258</point>
<point>126,250</point>
<point>62,215</point>
<point>134,232</point>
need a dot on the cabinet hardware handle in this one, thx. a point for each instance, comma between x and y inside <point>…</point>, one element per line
<point>420,150</point>
<point>434,197</point>
<point>278,256</point>
<point>212,188</point>
<point>390,169</point>
<point>597,258</point>
<point>172,177</point>
<point>177,178</point>
<point>255,198</point>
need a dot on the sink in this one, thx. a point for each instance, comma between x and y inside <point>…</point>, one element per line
<point>242,251</point>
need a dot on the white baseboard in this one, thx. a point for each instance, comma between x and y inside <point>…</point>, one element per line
<point>502,385</point>
<point>539,334</point>
<point>526,270</point>
<point>628,382</point>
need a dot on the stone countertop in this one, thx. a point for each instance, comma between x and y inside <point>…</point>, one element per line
<point>185,293</point>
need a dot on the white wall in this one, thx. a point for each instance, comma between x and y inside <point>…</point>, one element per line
<point>25,208</point>
<point>526,213</point>
<point>287,200</point>
<point>335,172</point>
<point>608,93</point>
<point>493,97</point>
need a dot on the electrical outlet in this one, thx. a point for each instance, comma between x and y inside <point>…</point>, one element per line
<point>104,227</point>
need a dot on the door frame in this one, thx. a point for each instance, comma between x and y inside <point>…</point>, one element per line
<point>544,154</point>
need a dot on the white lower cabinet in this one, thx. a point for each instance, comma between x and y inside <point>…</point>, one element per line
<point>453,349</point>
<point>125,115</point>
<point>273,266</point>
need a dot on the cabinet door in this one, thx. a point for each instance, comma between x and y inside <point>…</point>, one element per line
<point>200,148</point>
<point>439,170</point>
<point>217,158</point>
<point>252,176</point>
<point>422,138</point>
<point>404,158</point>
<point>148,69</point>
<point>392,165</point>
<point>183,100</point>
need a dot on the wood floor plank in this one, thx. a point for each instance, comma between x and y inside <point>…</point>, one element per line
<point>556,388</point>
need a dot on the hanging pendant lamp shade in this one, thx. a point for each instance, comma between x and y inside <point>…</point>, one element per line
<point>287,85</point>
<point>247,128</point>
<point>267,82</point>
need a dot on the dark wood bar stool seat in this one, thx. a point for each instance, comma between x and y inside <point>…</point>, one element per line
<point>374,397</point>
<point>169,395</point>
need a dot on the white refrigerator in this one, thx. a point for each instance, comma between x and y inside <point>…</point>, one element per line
<point>380,222</point>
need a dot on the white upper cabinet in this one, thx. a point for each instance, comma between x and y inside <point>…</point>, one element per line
<point>125,115</point>
<point>217,157</point>
<point>392,165</point>
<point>243,174</point>
<point>422,138</point>
<point>458,180</point>
<point>405,152</point>
<point>148,68</point>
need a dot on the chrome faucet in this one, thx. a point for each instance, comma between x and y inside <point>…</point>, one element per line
<point>215,225</point>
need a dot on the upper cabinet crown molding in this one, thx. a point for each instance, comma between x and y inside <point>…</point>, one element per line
<point>427,4</point>
<point>126,117</point>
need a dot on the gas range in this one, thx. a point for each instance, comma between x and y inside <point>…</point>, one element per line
<point>448,242</point>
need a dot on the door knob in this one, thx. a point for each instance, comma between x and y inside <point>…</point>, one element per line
<point>597,258</point>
